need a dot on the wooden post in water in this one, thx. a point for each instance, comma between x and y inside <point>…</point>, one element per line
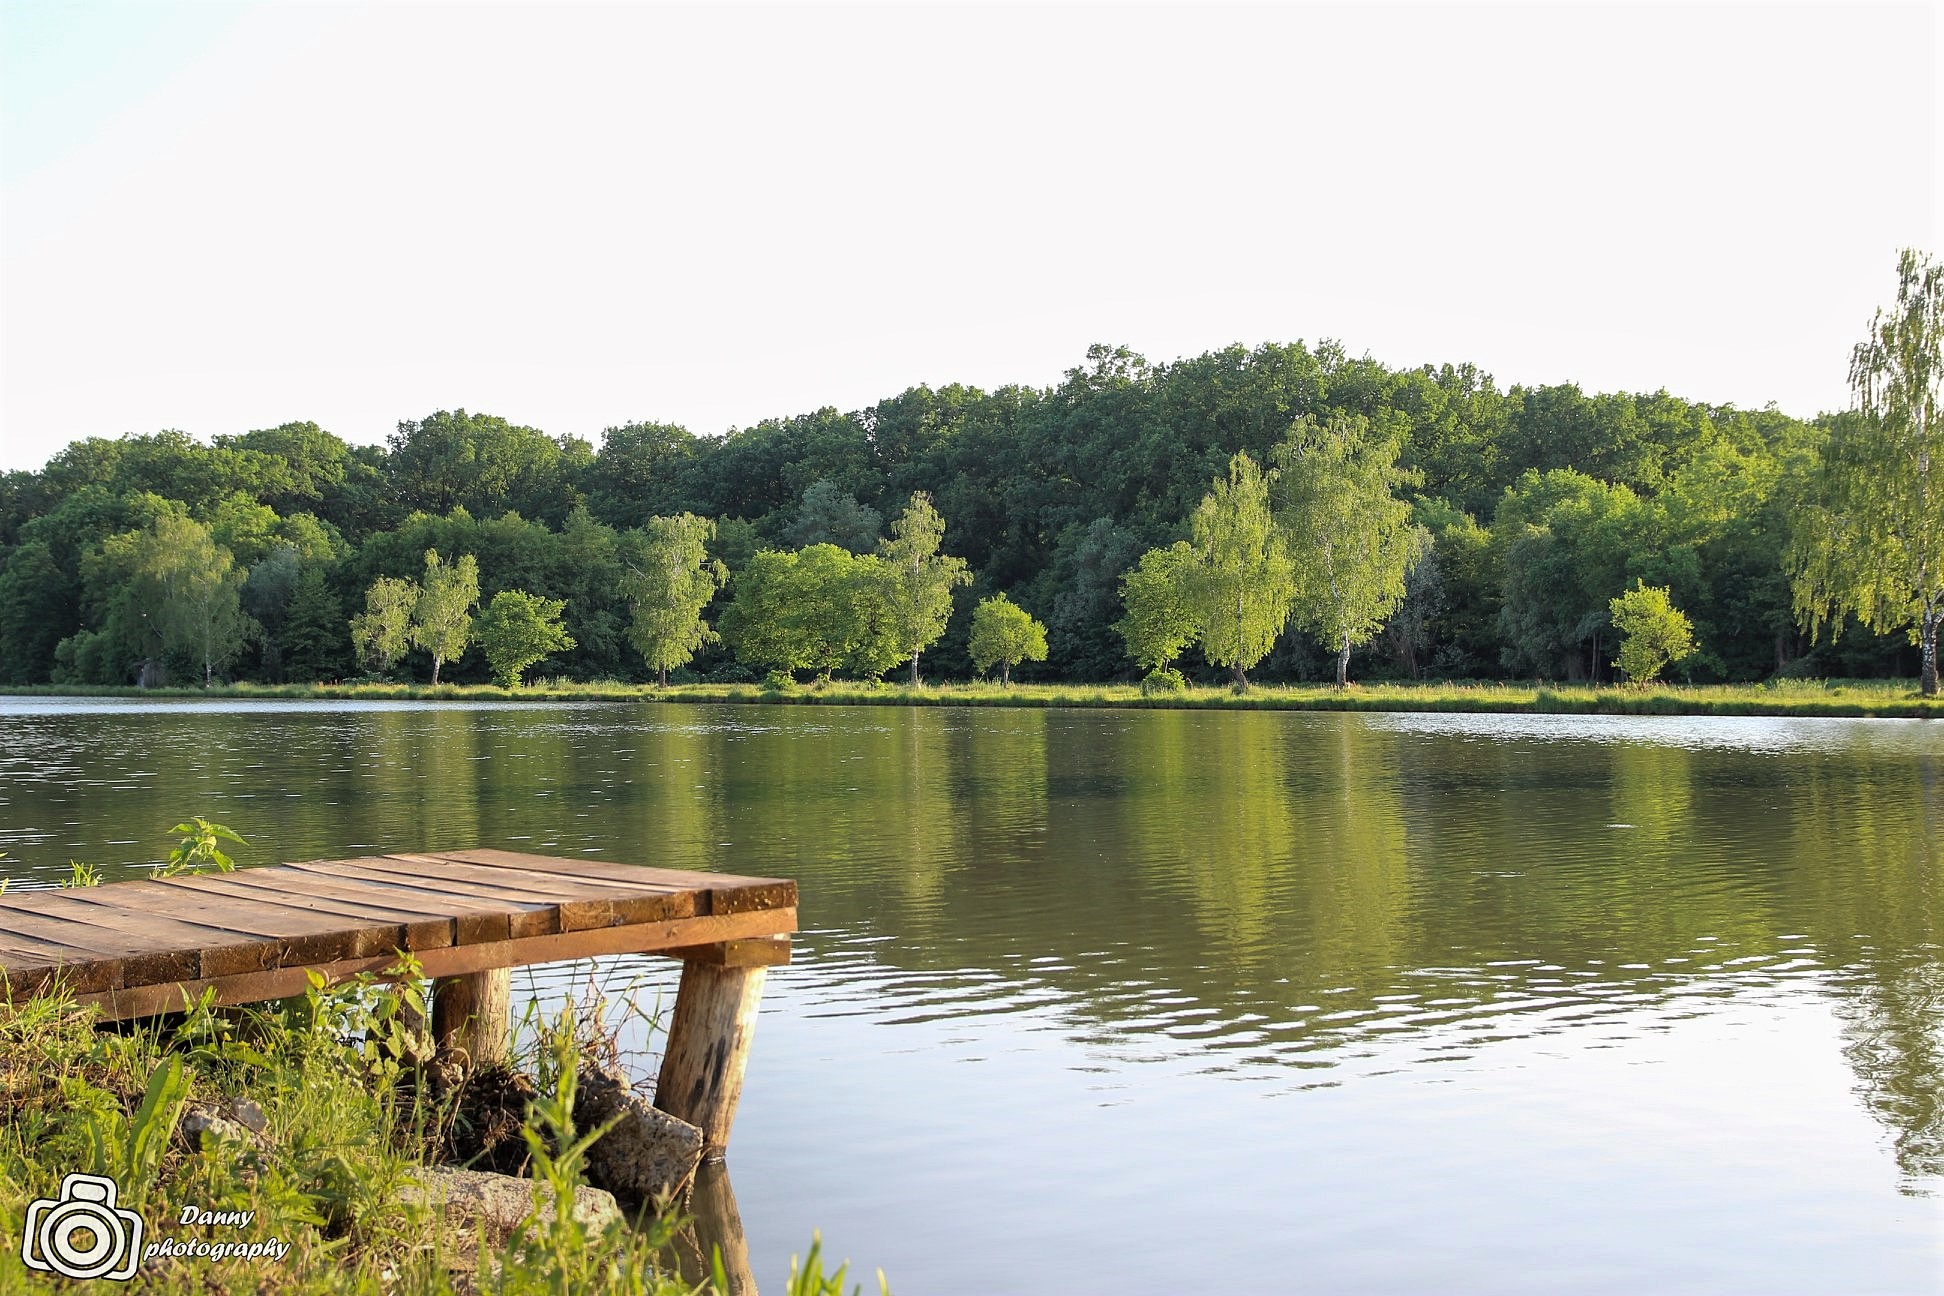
<point>472,1015</point>
<point>708,1040</point>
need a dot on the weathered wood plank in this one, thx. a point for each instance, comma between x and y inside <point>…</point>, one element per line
<point>476,918</point>
<point>221,951</point>
<point>454,960</point>
<point>581,905</point>
<point>425,928</point>
<point>101,951</point>
<point>675,902</point>
<point>31,967</point>
<point>764,951</point>
<point>302,935</point>
<point>730,893</point>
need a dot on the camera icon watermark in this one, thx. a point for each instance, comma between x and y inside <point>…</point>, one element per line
<point>81,1233</point>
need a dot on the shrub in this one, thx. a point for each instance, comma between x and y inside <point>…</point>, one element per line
<point>1163,680</point>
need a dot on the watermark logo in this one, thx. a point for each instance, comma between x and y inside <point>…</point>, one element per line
<point>81,1233</point>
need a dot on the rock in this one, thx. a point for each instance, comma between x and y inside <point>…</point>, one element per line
<point>648,1154</point>
<point>248,1112</point>
<point>480,1207</point>
<point>199,1118</point>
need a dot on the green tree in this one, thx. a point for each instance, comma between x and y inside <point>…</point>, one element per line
<point>1872,543</point>
<point>1348,534</point>
<point>383,631</point>
<point>871,594</point>
<point>38,608</point>
<point>825,617</point>
<point>1160,623</point>
<point>757,622</point>
<point>518,629</point>
<point>921,578</point>
<point>832,515</point>
<point>314,643</point>
<point>1242,579</point>
<point>1006,634</point>
<point>1653,633</point>
<point>442,622</point>
<point>668,588</point>
<point>267,593</point>
<point>195,591</point>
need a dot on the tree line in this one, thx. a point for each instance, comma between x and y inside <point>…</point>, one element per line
<point>1271,512</point>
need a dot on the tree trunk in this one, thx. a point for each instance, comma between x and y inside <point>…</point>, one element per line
<point>1343,663</point>
<point>661,677</point>
<point>436,663</point>
<point>1005,674</point>
<point>1929,640</point>
<point>1241,677</point>
<point>914,669</point>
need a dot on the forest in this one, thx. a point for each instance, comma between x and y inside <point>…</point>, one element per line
<point>1523,513</point>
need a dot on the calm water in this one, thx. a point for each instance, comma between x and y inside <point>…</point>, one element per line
<point>1160,1002</point>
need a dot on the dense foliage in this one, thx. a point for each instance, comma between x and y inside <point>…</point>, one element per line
<point>1527,512</point>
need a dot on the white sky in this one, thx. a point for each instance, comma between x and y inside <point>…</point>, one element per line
<point>223,216</point>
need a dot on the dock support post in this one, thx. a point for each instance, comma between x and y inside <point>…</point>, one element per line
<point>472,1015</point>
<point>708,1041</point>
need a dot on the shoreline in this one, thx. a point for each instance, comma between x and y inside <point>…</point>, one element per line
<point>1887,699</point>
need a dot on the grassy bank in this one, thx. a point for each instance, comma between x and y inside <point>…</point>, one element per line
<point>320,1197</point>
<point>1890,698</point>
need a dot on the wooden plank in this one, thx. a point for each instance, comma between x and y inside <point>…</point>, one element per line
<point>32,967</point>
<point>580,907</point>
<point>97,951</point>
<point>220,951</point>
<point>476,918</point>
<point>302,936</point>
<point>673,902</point>
<point>765,951</point>
<point>730,893</point>
<point>452,879</point>
<point>425,928</point>
<point>634,877</point>
<point>454,960</point>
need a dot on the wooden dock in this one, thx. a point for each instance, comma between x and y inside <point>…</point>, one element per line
<point>137,949</point>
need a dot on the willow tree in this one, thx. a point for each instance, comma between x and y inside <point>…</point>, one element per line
<point>1349,536</point>
<point>442,622</point>
<point>920,579</point>
<point>1241,580</point>
<point>667,589</point>
<point>1872,542</point>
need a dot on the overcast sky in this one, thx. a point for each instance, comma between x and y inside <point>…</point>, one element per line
<point>218,217</point>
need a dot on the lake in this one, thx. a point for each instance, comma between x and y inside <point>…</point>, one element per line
<point>1147,1001</point>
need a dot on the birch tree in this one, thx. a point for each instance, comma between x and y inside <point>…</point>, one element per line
<point>921,579</point>
<point>1871,544</point>
<point>667,589</point>
<point>1349,536</point>
<point>442,621</point>
<point>1241,580</point>
<point>383,631</point>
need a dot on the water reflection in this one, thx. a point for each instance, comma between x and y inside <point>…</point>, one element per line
<point>1278,905</point>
